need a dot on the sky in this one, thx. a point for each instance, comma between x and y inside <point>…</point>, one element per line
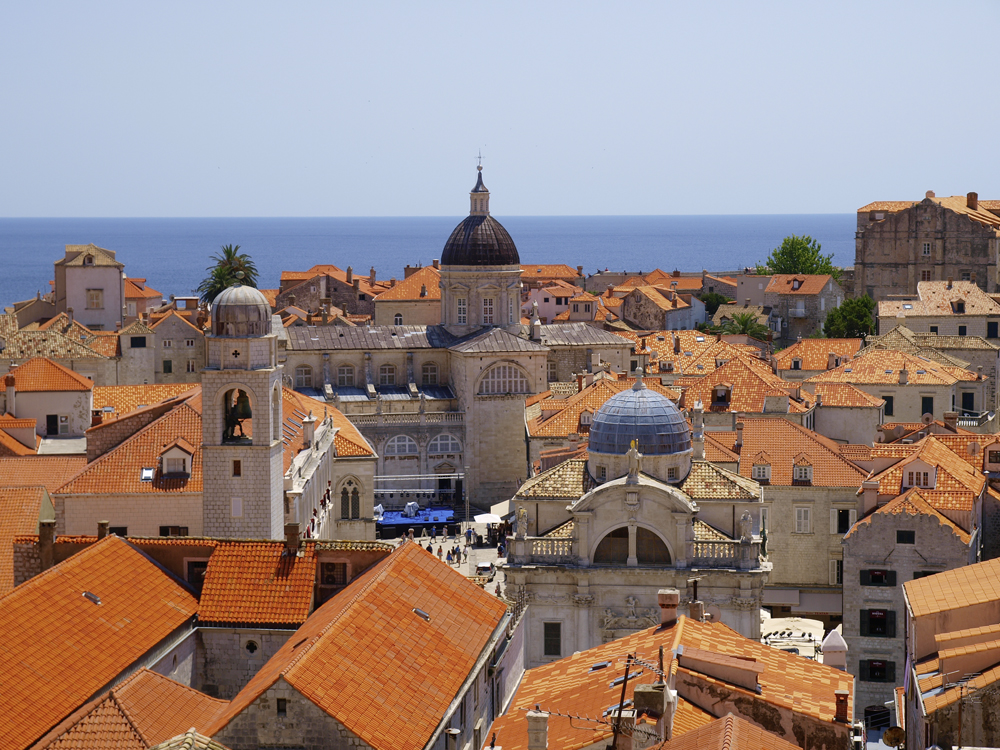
<point>379,109</point>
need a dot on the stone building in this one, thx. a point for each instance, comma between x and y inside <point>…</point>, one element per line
<point>906,539</point>
<point>901,243</point>
<point>180,349</point>
<point>808,357</point>
<point>656,308</point>
<point>329,285</point>
<point>416,300</point>
<point>140,299</point>
<point>801,302</point>
<point>89,281</point>
<point>945,308</point>
<point>633,523</point>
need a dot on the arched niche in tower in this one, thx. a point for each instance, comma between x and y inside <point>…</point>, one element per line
<point>276,413</point>
<point>237,417</point>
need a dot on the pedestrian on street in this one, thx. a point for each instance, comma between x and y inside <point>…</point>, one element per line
<point>441,553</point>
<point>465,555</point>
<point>430,548</point>
<point>449,557</point>
<point>434,533</point>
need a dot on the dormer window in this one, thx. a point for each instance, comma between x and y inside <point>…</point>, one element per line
<point>796,283</point>
<point>721,394</point>
<point>176,458</point>
<point>918,479</point>
<point>803,474</point>
<point>88,260</point>
<point>958,307</point>
<point>796,364</point>
<point>586,417</point>
<point>175,466</point>
<point>762,472</point>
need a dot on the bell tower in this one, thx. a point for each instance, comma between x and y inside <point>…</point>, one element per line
<point>241,420</point>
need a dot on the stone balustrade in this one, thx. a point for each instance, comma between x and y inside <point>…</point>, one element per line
<point>429,417</point>
<point>542,551</point>
<point>724,554</point>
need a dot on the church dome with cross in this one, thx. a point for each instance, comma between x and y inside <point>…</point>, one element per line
<point>480,240</point>
<point>241,311</point>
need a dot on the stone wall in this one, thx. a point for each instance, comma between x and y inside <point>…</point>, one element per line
<point>226,663</point>
<point>816,306</point>
<point>414,312</point>
<point>141,514</point>
<point>178,333</point>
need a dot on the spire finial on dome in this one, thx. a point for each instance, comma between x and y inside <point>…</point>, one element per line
<point>640,384</point>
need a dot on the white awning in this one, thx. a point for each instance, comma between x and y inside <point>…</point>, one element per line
<point>781,597</point>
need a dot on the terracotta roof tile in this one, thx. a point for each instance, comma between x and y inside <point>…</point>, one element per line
<point>750,379</point>
<point>784,283</point>
<point>569,480</point>
<point>882,366</point>
<point>40,375</point>
<point>190,740</point>
<point>10,446</point>
<point>422,664</point>
<point>846,395</point>
<point>64,646</point>
<point>728,733</point>
<point>19,512</point>
<point>548,271</point>
<point>815,353</point>
<point>134,291</point>
<point>256,582</point>
<point>51,472</point>
<point>887,206</point>
<point>954,589</point>
<point>127,398</point>
<point>409,288</point>
<point>954,474</point>
<point>935,299</point>
<point>912,503</point>
<point>173,315</point>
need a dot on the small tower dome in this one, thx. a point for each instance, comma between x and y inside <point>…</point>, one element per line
<point>241,311</point>
<point>643,415</point>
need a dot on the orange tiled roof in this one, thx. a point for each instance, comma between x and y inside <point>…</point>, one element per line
<point>61,647</point>
<point>954,474</point>
<point>954,589</point>
<point>936,299</point>
<point>421,664</point>
<point>751,380</point>
<point>119,470</point>
<point>912,503</point>
<point>856,452</point>
<point>888,206</point>
<point>258,583</point>
<point>846,395</point>
<point>567,419</point>
<point>728,733</point>
<point>127,398</point>
<point>572,686</point>
<point>51,472</point>
<point>882,366</point>
<point>783,283</point>
<point>41,375</point>
<point>409,289</point>
<point>296,406</point>
<point>173,314</point>
<point>271,295</point>
<point>716,451</point>
<point>19,511</point>
<point>144,710</point>
<point>548,271</point>
<point>814,353</point>
<point>11,447</point>
<point>783,441</point>
<point>316,270</point>
<point>658,296</point>
<point>133,290</point>
<point>106,343</point>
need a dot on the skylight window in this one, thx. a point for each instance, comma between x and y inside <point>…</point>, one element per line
<point>687,354</point>
<point>421,614</point>
<point>907,307</point>
<point>91,597</point>
<point>146,474</point>
<point>108,410</point>
<point>699,338</point>
<point>848,369</point>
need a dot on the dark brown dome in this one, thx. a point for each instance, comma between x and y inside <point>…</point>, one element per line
<point>480,241</point>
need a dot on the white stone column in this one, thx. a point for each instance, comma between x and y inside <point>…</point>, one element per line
<point>633,560</point>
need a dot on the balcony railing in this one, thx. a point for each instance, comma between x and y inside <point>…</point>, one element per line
<point>541,551</point>
<point>974,418</point>
<point>725,554</point>
<point>429,417</point>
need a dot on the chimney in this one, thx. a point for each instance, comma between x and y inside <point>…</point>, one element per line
<point>904,376</point>
<point>951,282</point>
<point>9,381</point>
<point>371,276</point>
<point>46,542</point>
<point>536,329</point>
<point>102,529</point>
<point>654,701</point>
<point>451,736</point>
<point>972,278</point>
<point>979,372</point>
<point>538,729</point>
<point>324,314</point>
<point>677,343</point>
<point>309,429</point>
<point>309,318</point>
<point>697,610</point>
<point>357,285</point>
<point>69,314</point>
<point>291,538</point>
<point>951,420</point>
<point>972,201</point>
<point>869,497</point>
<point>436,263</point>
<point>668,599</point>
<point>841,714</point>
<point>350,275</point>
<point>579,270</point>
<point>392,282</point>
<point>291,300</point>
<point>929,194</point>
<point>574,441</point>
<point>611,290</point>
<point>739,436</point>
<point>831,360</point>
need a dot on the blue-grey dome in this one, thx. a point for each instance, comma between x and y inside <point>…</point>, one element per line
<point>643,415</point>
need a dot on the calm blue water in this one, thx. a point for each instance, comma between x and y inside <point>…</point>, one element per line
<point>173,253</point>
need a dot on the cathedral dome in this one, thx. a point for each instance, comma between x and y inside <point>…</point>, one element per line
<point>241,311</point>
<point>480,240</point>
<point>643,415</point>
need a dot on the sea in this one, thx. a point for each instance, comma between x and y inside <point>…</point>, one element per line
<point>172,254</point>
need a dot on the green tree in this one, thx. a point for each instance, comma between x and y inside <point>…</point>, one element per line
<point>853,319</point>
<point>798,255</point>
<point>746,323</point>
<point>712,301</point>
<point>231,266</point>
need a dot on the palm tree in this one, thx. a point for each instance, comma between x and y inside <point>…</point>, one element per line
<point>231,266</point>
<point>746,323</point>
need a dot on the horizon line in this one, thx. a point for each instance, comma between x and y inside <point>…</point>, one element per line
<point>435,216</point>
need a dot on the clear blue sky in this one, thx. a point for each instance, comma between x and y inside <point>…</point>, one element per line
<point>372,109</point>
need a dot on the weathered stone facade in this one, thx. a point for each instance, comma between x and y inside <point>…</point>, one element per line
<point>228,658</point>
<point>183,346</point>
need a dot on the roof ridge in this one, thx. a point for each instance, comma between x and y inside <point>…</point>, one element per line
<point>728,731</point>
<point>112,695</point>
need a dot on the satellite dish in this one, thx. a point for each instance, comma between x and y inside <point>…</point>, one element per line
<point>894,737</point>
<point>927,418</point>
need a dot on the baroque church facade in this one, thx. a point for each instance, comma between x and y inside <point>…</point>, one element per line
<point>443,405</point>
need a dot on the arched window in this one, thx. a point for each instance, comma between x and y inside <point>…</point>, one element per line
<point>430,373</point>
<point>649,548</point>
<point>613,549</point>
<point>503,379</point>
<point>444,444</point>
<point>303,376</point>
<point>345,375</point>
<point>387,375</point>
<point>355,503</point>
<point>345,504</point>
<point>397,319</point>
<point>401,445</point>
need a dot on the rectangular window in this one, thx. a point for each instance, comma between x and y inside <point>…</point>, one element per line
<point>845,519</point>
<point>345,375</point>
<point>510,311</point>
<point>236,507</point>
<point>576,307</point>
<point>802,521</point>
<point>189,343</point>
<point>877,670</point>
<point>906,537</point>
<point>551,372</point>
<point>118,530</point>
<point>836,572</point>
<point>168,343</point>
<point>761,472</point>
<point>190,365</point>
<point>994,457</point>
<point>796,364</point>
<point>196,570</point>
<point>888,405</point>
<point>925,275</point>
<point>173,531</point>
<point>878,577</point>
<point>130,308</point>
<point>137,342</point>
<point>175,466</point>
<point>282,705</point>
<point>926,405</point>
<point>966,276</point>
<point>927,250</point>
<point>487,311</point>
<point>552,637</point>
<point>934,330</point>
<point>237,468</point>
<point>878,623</point>
<point>462,311</point>
<point>63,424</point>
<point>991,329</point>
<point>962,330</point>
<point>803,473</point>
<point>672,473</point>
<point>602,472</point>
<point>95,299</point>
<point>168,366</point>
